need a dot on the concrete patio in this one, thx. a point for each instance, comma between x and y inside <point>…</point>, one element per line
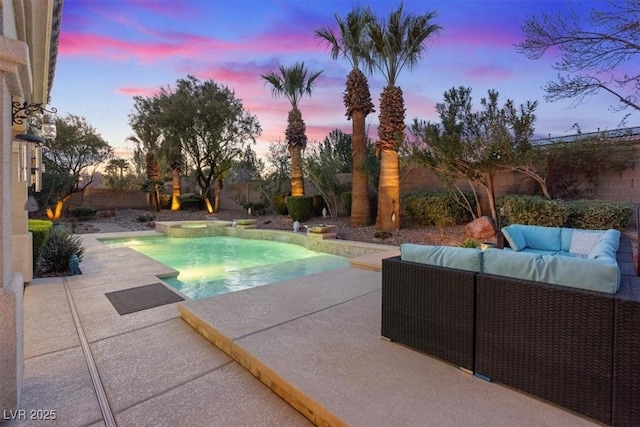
<point>314,340</point>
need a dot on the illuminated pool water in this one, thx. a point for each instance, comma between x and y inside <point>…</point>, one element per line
<point>217,265</point>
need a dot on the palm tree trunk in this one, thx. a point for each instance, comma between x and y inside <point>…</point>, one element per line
<point>297,180</point>
<point>388,219</point>
<point>360,210</point>
<point>175,193</point>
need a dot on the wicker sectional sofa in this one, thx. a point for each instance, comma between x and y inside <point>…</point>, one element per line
<point>575,347</point>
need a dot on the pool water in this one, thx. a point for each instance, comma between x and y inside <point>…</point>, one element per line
<point>217,265</point>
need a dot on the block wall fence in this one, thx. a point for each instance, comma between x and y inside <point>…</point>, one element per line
<point>616,186</point>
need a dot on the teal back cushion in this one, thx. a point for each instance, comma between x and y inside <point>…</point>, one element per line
<point>545,238</point>
<point>514,236</point>
<point>443,256</point>
<point>566,234</point>
<point>607,246</point>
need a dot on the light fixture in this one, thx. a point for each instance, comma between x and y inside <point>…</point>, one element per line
<point>393,217</point>
<point>30,166</point>
<point>49,130</point>
<point>37,118</point>
<point>23,110</point>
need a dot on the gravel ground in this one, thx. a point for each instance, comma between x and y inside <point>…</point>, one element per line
<point>136,220</point>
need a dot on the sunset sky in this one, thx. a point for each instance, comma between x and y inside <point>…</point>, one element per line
<point>112,50</point>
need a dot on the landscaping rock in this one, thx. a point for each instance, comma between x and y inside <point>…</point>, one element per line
<point>480,228</point>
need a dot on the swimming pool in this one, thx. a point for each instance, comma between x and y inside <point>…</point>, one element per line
<point>217,265</point>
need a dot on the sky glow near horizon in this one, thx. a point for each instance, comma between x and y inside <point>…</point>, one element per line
<point>113,50</point>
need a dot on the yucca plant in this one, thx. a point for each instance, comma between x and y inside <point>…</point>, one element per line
<point>60,245</point>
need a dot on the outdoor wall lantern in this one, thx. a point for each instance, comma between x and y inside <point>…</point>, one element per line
<point>40,124</point>
<point>30,166</point>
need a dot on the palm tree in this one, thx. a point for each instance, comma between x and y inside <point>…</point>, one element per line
<point>293,83</point>
<point>148,137</point>
<point>352,43</point>
<point>397,43</point>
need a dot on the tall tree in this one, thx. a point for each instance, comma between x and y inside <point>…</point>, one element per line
<point>145,122</point>
<point>213,128</point>
<point>597,53</point>
<point>77,149</point>
<point>398,42</point>
<point>293,82</point>
<point>474,145</point>
<point>351,41</point>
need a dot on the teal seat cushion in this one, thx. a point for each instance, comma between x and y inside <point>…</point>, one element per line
<point>468,259</point>
<point>602,275</point>
<point>538,251</point>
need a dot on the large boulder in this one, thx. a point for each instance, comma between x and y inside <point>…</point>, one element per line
<point>480,228</point>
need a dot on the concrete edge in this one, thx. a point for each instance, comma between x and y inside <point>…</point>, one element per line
<point>372,262</point>
<point>302,403</point>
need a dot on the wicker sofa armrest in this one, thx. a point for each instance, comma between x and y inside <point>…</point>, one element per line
<point>430,309</point>
<point>626,359</point>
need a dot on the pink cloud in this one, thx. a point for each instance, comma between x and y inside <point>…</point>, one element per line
<point>488,73</point>
<point>182,45</point>
<point>138,91</point>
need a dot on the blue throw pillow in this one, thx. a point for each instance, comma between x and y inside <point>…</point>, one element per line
<point>514,237</point>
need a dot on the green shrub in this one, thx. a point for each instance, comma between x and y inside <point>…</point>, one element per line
<point>145,217</point>
<point>439,209</point>
<point>279,205</point>
<point>346,201</point>
<point>469,243</point>
<point>531,210</point>
<point>60,245</point>
<point>40,230</point>
<point>318,204</point>
<point>191,201</point>
<point>300,208</point>
<point>586,214</point>
<point>257,208</point>
<point>83,212</point>
<point>165,201</point>
<point>598,214</point>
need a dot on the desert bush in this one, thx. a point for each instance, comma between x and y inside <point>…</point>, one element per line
<point>469,243</point>
<point>598,214</point>
<point>83,212</point>
<point>279,205</point>
<point>531,210</point>
<point>346,201</point>
<point>318,204</point>
<point>300,208</point>
<point>145,217</point>
<point>40,230</point>
<point>439,209</point>
<point>56,251</point>
<point>165,201</point>
<point>191,201</point>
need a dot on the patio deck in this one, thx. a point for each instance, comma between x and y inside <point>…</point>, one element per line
<point>316,340</point>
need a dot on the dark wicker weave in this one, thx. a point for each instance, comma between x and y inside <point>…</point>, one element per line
<point>551,341</point>
<point>430,309</point>
<point>573,347</point>
<point>626,361</point>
